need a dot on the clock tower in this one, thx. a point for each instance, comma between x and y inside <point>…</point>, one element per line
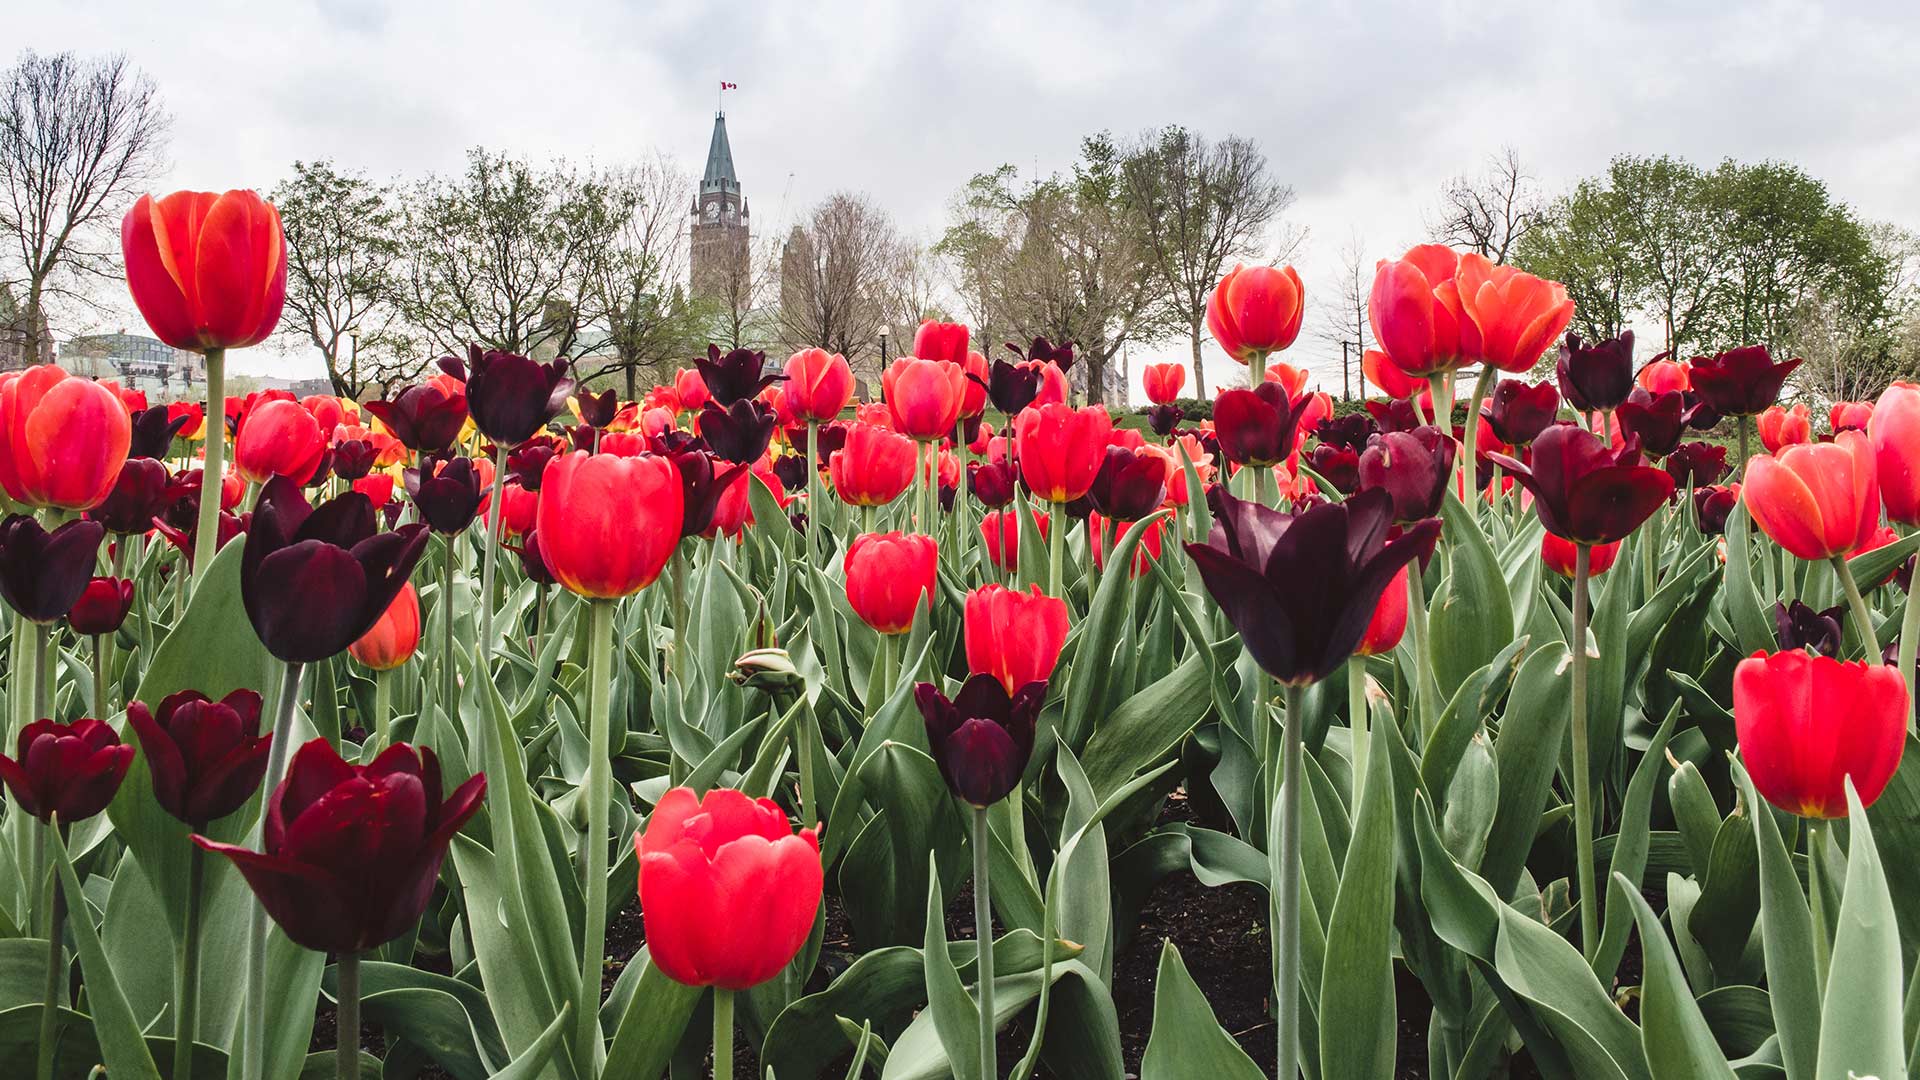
<point>720,233</point>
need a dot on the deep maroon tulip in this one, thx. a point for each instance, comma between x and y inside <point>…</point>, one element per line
<point>596,410</point>
<point>1797,626</point>
<point>1337,465</point>
<point>1586,491</point>
<point>1256,427</point>
<point>102,607</point>
<point>792,470</point>
<point>736,376</point>
<point>447,493</point>
<point>831,438</point>
<point>1740,382</point>
<point>738,432</point>
<point>1657,420</point>
<point>153,432</point>
<point>1518,411</point>
<point>315,579</point>
<point>1596,376</point>
<point>702,486</point>
<point>143,491</point>
<point>1301,588</point>
<point>352,851</point>
<point>426,418</point>
<point>1412,467</point>
<point>528,461</point>
<point>1697,464</point>
<point>1351,431</point>
<point>531,563</point>
<point>982,738</point>
<point>1394,415</point>
<point>1012,387</point>
<point>510,396</point>
<point>69,770</point>
<point>1712,505</point>
<point>1700,415</point>
<point>206,756</point>
<point>1163,419</point>
<point>1042,351</point>
<point>353,458</point>
<point>992,482</point>
<point>1131,483</point>
<point>582,437</point>
<point>42,574</point>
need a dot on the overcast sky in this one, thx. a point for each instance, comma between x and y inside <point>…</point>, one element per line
<point>1364,109</point>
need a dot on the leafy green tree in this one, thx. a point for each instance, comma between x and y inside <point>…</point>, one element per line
<point>343,254</point>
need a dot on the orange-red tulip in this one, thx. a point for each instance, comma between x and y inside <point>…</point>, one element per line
<point>280,438</point>
<point>608,523</point>
<point>890,577</point>
<point>1806,723</point>
<point>395,636</point>
<point>1106,533</point>
<point>1386,375</point>
<point>1389,622</point>
<point>1415,311</point>
<point>819,384</point>
<point>1163,382</point>
<point>1780,428</point>
<point>1014,636</point>
<point>1660,376</point>
<point>62,438</point>
<point>941,341</point>
<point>872,467</point>
<point>1817,501</point>
<point>1894,432</point>
<point>1559,556</point>
<point>1256,310</point>
<point>1512,317</point>
<point>1844,415</point>
<point>924,396</point>
<point>1061,449</point>
<point>208,271</point>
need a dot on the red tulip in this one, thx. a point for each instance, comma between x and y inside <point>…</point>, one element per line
<point>518,506</point>
<point>1586,491</point>
<point>873,467</point>
<point>1383,373</point>
<point>395,637</point>
<point>1780,428</point>
<point>1845,415</point>
<point>351,852</point>
<point>62,438</point>
<point>1106,533</point>
<point>1662,375</point>
<point>819,384</point>
<point>1559,556</point>
<point>102,607</point>
<point>280,438</point>
<point>890,577</point>
<point>1014,636</point>
<point>924,396</point>
<point>941,341</point>
<point>1256,310</point>
<point>206,757</point>
<point>728,892</point>
<point>66,770</point>
<point>1000,535</point>
<point>1512,317</point>
<point>1061,449</point>
<point>1817,501</point>
<point>974,401</point>
<point>1389,622</point>
<point>377,487</point>
<point>207,271</point>
<point>330,412</point>
<point>607,523</point>
<point>1416,312</point>
<point>1163,382</point>
<point>1807,723</point>
<point>1894,431</point>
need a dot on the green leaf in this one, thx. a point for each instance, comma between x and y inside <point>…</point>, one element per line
<point>122,1046</point>
<point>956,1016</point>
<point>1786,931</point>
<point>533,1060</point>
<point>1630,845</point>
<point>1678,1042</point>
<point>1357,1006</point>
<point>1527,751</point>
<point>1750,622</point>
<point>1186,1040</point>
<point>1869,567</point>
<point>1148,726</point>
<point>1098,636</point>
<point>1860,1016</point>
<point>1470,617</point>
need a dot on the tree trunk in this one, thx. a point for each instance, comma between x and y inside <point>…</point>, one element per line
<point>32,314</point>
<point>1199,375</point>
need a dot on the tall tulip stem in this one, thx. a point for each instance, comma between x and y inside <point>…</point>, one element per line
<point>722,1034</point>
<point>186,966</point>
<point>254,1022</point>
<point>42,636</point>
<point>1582,779</point>
<point>813,489</point>
<point>1910,649</point>
<point>495,521</point>
<point>1056,552</point>
<point>206,533</point>
<point>346,1029</point>
<point>1470,462</point>
<point>55,991</point>
<point>383,706</point>
<point>1862,615</point>
<point>593,845</point>
<point>449,678</point>
<point>983,939</point>
<point>99,678</point>
<point>1286,903</point>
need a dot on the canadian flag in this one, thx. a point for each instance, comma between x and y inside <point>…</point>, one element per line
<point>729,86</point>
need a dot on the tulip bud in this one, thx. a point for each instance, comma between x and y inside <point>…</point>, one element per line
<point>1256,310</point>
<point>982,737</point>
<point>1806,724</point>
<point>222,280</point>
<point>63,438</point>
<point>1780,428</point>
<point>102,607</point>
<point>1014,636</point>
<point>924,396</point>
<point>68,771</point>
<point>395,636</point>
<point>42,574</point>
<point>1412,467</point>
<point>206,757</point>
<point>1598,376</point>
<point>889,577</point>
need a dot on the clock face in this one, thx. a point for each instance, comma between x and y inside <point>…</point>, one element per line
<point>713,213</point>
<point>733,215</point>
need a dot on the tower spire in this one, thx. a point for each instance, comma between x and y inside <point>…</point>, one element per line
<point>719,175</point>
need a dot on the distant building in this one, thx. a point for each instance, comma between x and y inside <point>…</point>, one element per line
<point>15,334</point>
<point>139,362</point>
<point>721,237</point>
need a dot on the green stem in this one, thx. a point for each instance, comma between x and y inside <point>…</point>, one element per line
<point>207,531</point>
<point>1470,463</point>
<point>1741,425</point>
<point>983,939</point>
<point>449,674</point>
<point>677,565</point>
<point>1357,722</point>
<point>1426,685</point>
<point>43,633</point>
<point>1056,552</point>
<point>803,745</point>
<point>346,1038</point>
<point>1286,905</point>
<point>382,706</point>
<point>99,679</point>
<point>186,966</point>
<point>1862,615</point>
<point>722,1034</point>
<point>1589,898</point>
<point>54,995</point>
<point>1910,648</point>
<point>494,524</point>
<point>254,1022</point>
<point>813,489</point>
<point>593,845</point>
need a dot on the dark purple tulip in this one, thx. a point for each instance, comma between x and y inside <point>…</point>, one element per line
<point>1700,415</point>
<point>102,607</point>
<point>1697,464</point>
<point>597,410</point>
<point>992,482</point>
<point>1130,484</point>
<point>1657,420</point>
<point>206,757</point>
<point>322,470</point>
<point>447,493</point>
<point>1012,387</point>
<point>528,461</point>
<point>792,471</point>
<point>143,492</point>
<point>1518,411</point>
<point>1586,491</point>
<point>701,487</point>
<point>42,574</point>
<point>1351,431</point>
<point>353,458</point>
<point>1256,427</point>
<point>1163,419</point>
<point>531,562</point>
<point>511,396</point>
<point>582,437</point>
<point>1712,505</point>
<point>1740,382</point>
<point>831,438</point>
<point>1596,376</point>
<point>738,432</point>
<point>153,433</point>
<point>352,851</point>
<point>946,494</point>
<point>68,770</point>
<point>1301,588</point>
<point>1797,626</point>
<point>982,738</point>
<point>315,579</point>
<point>1412,467</point>
<point>736,376</point>
<point>1337,465</point>
<point>677,442</point>
<point>1043,351</point>
<point>424,418</point>
<point>1396,414</point>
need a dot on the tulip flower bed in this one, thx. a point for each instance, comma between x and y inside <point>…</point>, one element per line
<point>748,730</point>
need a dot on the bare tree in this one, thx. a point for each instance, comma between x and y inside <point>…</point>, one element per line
<point>1345,326</point>
<point>634,284</point>
<point>834,275</point>
<point>912,290</point>
<point>1198,203</point>
<point>78,139</point>
<point>1490,213</point>
<point>343,251</point>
